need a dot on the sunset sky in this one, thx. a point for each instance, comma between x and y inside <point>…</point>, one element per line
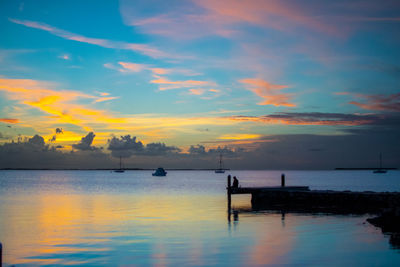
<point>273,83</point>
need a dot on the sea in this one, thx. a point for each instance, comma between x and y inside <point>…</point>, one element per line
<point>102,218</point>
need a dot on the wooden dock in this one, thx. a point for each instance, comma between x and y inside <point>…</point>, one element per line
<point>302,199</point>
<point>266,189</point>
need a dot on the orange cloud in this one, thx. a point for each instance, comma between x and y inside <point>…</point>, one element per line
<point>60,105</point>
<point>66,108</point>
<point>268,91</point>
<point>239,136</point>
<point>8,120</point>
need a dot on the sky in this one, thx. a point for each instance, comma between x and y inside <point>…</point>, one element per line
<point>272,84</point>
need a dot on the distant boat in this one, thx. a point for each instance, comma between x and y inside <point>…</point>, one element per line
<point>120,166</point>
<point>220,169</point>
<point>380,170</point>
<point>160,172</point>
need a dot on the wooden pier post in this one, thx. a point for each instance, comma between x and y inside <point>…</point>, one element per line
<point>228,191</point>
<point>283,180</point>
<point>1,255</point>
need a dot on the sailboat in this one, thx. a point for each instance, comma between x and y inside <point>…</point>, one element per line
<point>380,170</point>
<point>120,166</point>
<point>220,170</point>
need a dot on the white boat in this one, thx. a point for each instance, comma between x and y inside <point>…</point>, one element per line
<point>160,172</point>
<point>120,166</point>
<point>220,169</point>
<point>380,169</point>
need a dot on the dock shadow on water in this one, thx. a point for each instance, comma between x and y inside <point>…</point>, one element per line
<point>100,218</point>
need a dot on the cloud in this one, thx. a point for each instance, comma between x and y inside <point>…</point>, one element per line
<point>196,91</point>
<point>288,151</point>
<point>159,149</point>
<point>200,150</point>
<point>4,137</point>
<point>166,84</point>
<point>139,48</point>
<point>197,150</point>
<point>131,67</point>
<point>65,56</point>
<point>9,120</point>
<point>54,137</point>
<point>86,143</point>
<point>125,146</point>
<point>102,99</point>
<point>311,118</point>
<point>268,91</point>
<point>187,20</point>
<point>226,151</point>
<point>61,105</point>
<point>33,153</point>
<point>378,102</point>
<point>160,71</point>
<point>37,140</point>
<point>239,136</point>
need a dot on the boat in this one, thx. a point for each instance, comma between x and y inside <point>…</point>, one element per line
<point>380,169</point>
<point>220,169</point>
<point>160,172</point>
<point>120,166</point>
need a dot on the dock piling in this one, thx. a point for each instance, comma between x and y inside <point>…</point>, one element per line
<point>1,255</point>
<point>228,191</point>
<point>283,180</point>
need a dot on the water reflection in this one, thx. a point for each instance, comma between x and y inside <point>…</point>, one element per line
<point>131,223</point>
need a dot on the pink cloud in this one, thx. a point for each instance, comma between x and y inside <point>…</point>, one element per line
<point>131,67</point>
<point>269,92</point>
<point>209,17</point>
<point>167,84</point>
<point>65,56</point>
<point>102,99</point>
<point>196,91</point>
<point>160,71</point>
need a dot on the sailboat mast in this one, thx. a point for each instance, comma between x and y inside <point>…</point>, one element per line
<point>120,162</point>
<point>220,161</point>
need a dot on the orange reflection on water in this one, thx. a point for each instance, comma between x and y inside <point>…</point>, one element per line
<point>273,243</point>
<point>163,229</point>
<point>43,226</point>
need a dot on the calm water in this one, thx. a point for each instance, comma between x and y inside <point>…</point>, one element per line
<point>134,219</point>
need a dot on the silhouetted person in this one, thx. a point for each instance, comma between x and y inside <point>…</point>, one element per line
<point>235,182</point>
